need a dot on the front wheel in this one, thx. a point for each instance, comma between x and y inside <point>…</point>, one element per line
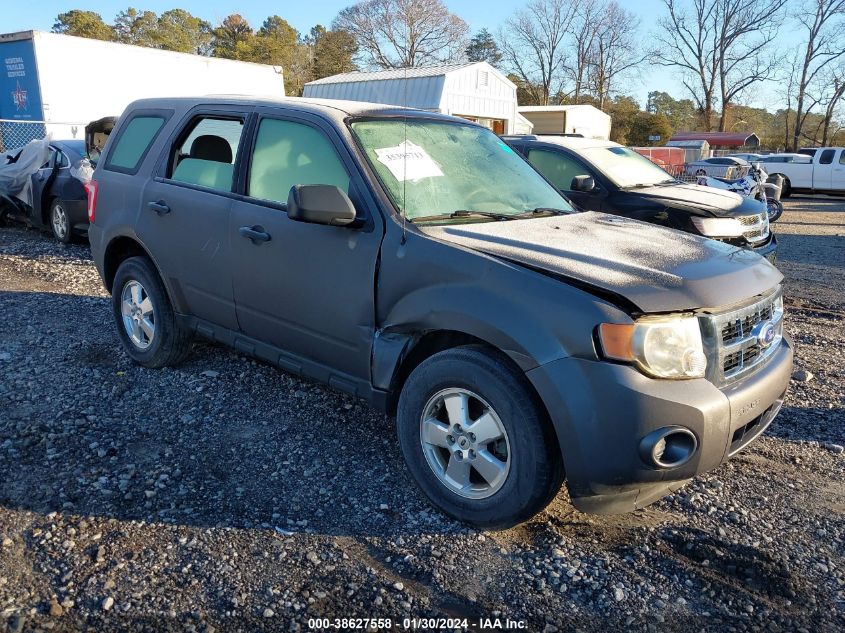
<point>146,323</point>
<point>476,440</point>
<point>60,221</point>
<point>775,209</point>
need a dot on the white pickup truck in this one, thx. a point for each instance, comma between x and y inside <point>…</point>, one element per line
<point>824,172</point>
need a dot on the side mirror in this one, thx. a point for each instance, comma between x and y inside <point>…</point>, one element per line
<point>320,204</point>
<point>584,184</point>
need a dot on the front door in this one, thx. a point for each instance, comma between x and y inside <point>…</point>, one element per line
<point>184,215</point>
<point>560,168</point>
<point>306,288</point>
<point>837,172</point>
<point>41,182</point>
<point>823,170</point>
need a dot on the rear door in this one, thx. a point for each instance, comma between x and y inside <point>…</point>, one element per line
<point>309,288</point>
<point>185,211</point>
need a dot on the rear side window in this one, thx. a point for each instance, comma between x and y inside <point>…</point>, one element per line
<point>134,141</point>
<point>205,155</point>
<point>827,157</point>
<point>287,154</point>
<point>557,168</point>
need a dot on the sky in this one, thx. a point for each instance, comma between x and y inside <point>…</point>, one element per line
<point>17,15</point>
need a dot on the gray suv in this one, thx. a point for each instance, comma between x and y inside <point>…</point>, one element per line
<point>416,261</point>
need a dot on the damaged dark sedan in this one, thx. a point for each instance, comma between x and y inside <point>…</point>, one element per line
<point>55,199</point>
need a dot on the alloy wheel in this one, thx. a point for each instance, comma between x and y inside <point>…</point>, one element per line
<point>138,315</point>
<point>465,443</point>
<point>60,223</point>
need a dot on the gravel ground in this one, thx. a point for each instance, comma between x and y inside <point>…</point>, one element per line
<point>226,495</point>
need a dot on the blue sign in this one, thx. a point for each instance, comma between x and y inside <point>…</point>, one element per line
<point>20,96</point>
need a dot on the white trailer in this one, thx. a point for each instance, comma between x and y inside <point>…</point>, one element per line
<point>59,83</point>
<point>583,119</point>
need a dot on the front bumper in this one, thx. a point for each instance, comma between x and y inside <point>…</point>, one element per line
<point>601,411</point>
<point>769,250</point>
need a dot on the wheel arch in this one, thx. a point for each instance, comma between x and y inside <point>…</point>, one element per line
<point>414,348</point>
<point>123,247</point>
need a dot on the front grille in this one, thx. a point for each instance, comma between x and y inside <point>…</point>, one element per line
<point>733,346</point>
<point>756,227</point>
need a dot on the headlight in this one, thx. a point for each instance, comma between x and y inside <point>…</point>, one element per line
<point>663,347</point>
<point>718,227</point>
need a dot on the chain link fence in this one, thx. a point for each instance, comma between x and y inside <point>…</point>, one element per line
<point>15,134</point>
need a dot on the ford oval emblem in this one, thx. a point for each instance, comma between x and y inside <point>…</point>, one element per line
<point>764,333</point>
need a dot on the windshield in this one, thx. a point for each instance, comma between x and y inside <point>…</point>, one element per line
<point>625,167</point>
<point>441,168</point>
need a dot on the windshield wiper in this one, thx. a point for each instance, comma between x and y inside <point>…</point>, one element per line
<point>544,211</point>
<point>643,185</point>
<point>464,213</point>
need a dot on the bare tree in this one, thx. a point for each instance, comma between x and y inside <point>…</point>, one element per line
<point>404,33</point>
<point>614,51</point>
<point>825,24</point>
<point>687,41</point>
<point>745,30</point>
<point>788,91</point>
<point>533,43</point>
<point>583,28</point>
<point>836,81</point>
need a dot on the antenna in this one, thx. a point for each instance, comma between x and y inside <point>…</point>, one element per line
<point>403,209</point>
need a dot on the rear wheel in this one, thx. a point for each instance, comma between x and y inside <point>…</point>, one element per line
<point>146,323</point>
<point>475,439</point>
<point>60,221</point>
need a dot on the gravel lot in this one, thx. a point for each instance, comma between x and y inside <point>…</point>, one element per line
<point>227,495</point>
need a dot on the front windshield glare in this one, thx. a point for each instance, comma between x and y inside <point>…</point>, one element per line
<point>434,168</point>
<point>625,167</point>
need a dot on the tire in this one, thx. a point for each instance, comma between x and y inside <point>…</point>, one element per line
<point>60,222</point>
<point>775,209</point>
<point>159,339</point>
<point>533,469</point>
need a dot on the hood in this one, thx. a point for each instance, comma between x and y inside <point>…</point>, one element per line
<point>655,268</point>
<point>694,197</point>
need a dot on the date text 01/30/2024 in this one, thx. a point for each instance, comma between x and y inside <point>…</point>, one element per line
<point>418,624</point>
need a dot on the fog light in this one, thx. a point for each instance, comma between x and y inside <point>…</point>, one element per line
<point>669,447</point>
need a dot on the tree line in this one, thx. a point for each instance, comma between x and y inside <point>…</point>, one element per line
<point>723,52</point>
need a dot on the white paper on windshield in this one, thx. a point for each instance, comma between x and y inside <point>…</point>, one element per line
<point>408,161</point>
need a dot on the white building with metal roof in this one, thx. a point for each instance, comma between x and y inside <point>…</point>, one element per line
<point>474,91</point>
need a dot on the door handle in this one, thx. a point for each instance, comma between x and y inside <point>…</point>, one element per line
<point>255,233</point>
<point>159,207</point>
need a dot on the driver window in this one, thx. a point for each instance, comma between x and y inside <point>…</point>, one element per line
<point>288,154</point>
<point>558,169</point>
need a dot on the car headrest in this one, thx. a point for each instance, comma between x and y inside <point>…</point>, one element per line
<point>209,147</point>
